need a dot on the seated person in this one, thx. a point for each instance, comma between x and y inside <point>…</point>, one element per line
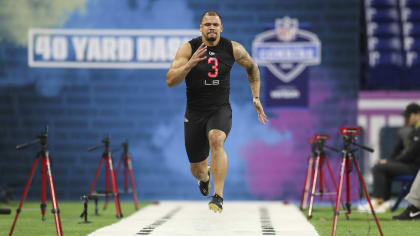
<point>404,161</point>
<point>412,212</point>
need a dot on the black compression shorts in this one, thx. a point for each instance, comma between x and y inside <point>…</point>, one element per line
<point>197,126</point>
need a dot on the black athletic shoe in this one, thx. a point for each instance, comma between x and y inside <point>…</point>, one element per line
<point>410,213</point>
<point>216,203</point>
<point>205,186</point>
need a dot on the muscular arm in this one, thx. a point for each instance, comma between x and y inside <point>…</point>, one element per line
<point>183,63</point>
<point>242,58</point>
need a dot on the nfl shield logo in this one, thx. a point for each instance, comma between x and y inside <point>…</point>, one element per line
<point>286,28</point>
<point>286,50</point>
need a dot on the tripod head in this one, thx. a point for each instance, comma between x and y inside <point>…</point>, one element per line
<point>350,137</point>
<point>105,143</point>
<point>320,140</point>
<point>41,138</point>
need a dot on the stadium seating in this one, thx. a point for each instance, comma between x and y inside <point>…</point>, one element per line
<point>385,69</point>
<point>412,79</point>
<point>410,29</point>
<point>410,15</point>
<point>381,3</point>
<point>410,3</point>
<point>385,44</point>
<point>384,29</point>
<point>411,44</point>
<point>393,44</point>
<point>382,15</point>
<point>406,182</point>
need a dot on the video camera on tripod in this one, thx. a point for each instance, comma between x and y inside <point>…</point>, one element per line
<point>109,174</point>
<point>315,170</point>
<point>320,140</point>
<point>349,137</point>
<point>46,174</point>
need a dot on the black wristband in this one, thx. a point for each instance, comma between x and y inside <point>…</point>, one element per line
<point>256,97</point>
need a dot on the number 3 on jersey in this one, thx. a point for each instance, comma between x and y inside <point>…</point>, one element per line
<point>214,68</point>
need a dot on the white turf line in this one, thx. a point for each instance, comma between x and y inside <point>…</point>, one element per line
<point>192,218</point>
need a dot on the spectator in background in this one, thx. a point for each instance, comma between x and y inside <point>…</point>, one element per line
<point>405,160</point>
<point>412,212</point>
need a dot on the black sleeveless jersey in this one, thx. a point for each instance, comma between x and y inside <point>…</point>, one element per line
<point>208,83</point>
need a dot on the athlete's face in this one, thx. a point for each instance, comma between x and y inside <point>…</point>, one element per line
<point>211,27</point>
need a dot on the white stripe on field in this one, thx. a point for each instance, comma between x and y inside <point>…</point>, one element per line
<point>193,218</point>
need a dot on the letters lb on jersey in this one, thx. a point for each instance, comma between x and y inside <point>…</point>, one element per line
<point>285,52</point>
<point>99,48</point>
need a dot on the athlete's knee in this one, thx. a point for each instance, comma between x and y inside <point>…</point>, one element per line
<point>216,139</point>
<point>199,173</point>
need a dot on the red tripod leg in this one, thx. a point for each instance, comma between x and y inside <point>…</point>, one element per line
<point>106,183</point>
<point>118,167</point>
<point>133,186</point>
<point>114,187</point>
<point>321,177</point>
<point>125,175</point>
<point>331,173</point>
<point>367,196</point>
<point>305,191</point>
<point>326,185</point>
<point>28,183</point>
<point>312,175</point>
<point>92,187</point>
<point>315,175</point>
<point>43,187</point>
<point>55,209</point>
<point>333,180</point>
<point>340,188</point>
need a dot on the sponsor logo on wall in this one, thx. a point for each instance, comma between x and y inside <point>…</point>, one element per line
<point>285,52</point>
<point>119,49</point>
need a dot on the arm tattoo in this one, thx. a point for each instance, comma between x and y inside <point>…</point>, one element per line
<point>244,59</point>
<point>253,74</point>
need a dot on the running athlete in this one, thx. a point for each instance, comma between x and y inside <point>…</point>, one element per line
<point>205,63</point>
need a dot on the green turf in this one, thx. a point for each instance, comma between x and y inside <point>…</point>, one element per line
<point>362,223</point>
<point>30,223</point>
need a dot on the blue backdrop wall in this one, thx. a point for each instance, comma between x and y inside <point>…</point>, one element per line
<point>82,105</point>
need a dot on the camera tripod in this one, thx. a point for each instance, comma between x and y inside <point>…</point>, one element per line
<point>348,157</point>
<point>128,170</point>
<point>308,176</point>
<point>109,173</point>
<point>320,158</point>
<point>45,170</point>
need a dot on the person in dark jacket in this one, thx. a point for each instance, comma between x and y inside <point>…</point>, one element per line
<point>404,161</point>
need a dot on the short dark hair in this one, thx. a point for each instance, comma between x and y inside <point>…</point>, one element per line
<point>210,13</point>
<point>412,108</point>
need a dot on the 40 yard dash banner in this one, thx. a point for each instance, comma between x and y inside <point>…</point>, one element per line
<point>96,48</point>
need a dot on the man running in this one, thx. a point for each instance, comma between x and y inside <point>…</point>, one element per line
<point>205,63</point>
